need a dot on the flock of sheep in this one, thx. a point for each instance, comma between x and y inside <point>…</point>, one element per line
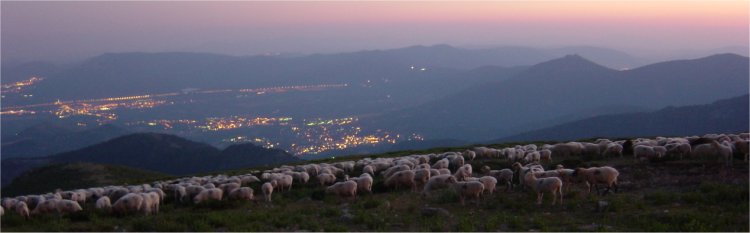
<point>419,173</point>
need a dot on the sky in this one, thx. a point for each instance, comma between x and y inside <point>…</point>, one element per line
<point>69,31</point>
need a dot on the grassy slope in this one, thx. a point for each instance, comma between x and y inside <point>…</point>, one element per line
<point>76,175</point>
<point>669,196</point>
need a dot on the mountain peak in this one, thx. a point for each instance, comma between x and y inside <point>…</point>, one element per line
<point>572,63</point>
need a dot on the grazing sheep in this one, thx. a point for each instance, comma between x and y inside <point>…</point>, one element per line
<point>678,149</point>
<point>45,207</point>
<point>402,178</point>
<point>644,152</point>
<point>713,149</point>
<point>741,146</point>
<point>180,194</point>
<point>343,189</point>
<point>244,193</point>
<point>533,156</point>
<point>463,172</point>
<point>390,171</point>
<point>444,171</point>
<point>150,204</point>
<point>129,203</point>
<point>468,154</point>
<point>443,163</point>
<point>504,176</point>
<point>68,206</point>
<point>158,191</point>
<point>437,182</point>
<point>456,162</point>
<point>564,150</point>
<point>208,194</point>
<point>612,149</point>
<point>364,182</point>
<point>489,184</point>
<point>22,209</point>
<point>33,200</point>
<point>229,187</point>
<point>542,185</point>
<point>9,203</point>
<point>103,203</point>
<point>369,170</point>
<point>599,175</point>
<point>325,179</point>
<point>194,190</point>
<point>267,189</point>
<point>545,155</point>
<point>421,176</point>
<point>468,189</point>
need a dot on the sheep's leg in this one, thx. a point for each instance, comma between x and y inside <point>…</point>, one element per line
<point>539,197</point>
<point>554,197</point>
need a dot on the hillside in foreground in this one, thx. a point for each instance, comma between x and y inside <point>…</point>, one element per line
<point>686,195</point>
<point>76,175</point>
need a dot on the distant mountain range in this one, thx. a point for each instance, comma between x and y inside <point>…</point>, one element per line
<point>122,74</point>
<point>156,152</point>
<point>48,138</point>
<point>566,87</point>
<point>723,116</point>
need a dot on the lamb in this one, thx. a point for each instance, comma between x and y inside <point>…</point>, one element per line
<point>129,203</point>
<point>208,194</point>
<point>103,203</point>
<point>343,189</point>
<point>468,189</point>
<point>542,185</point>
<point>402,178</point>
<point>267,189</point>
<point>364,183</point>
<point>489,184</point>
<point>244,193</point>
<point>22,209</point>
<point>599,175</point>
<point>436,182</point>
<point>326,179</point>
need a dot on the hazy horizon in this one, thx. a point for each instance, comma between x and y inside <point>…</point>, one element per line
<point>72,31</point>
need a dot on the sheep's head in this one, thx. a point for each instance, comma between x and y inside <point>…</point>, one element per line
<point>516,166</point>
<point>451,180</point>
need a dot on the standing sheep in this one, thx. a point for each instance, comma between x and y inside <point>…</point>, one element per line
<point>129,203</point>
<point>343,189</point>
<point>599,175</point>
<point>468,189</point>
<point>402,178</point>
<point>244,193</point>
<point>267,189</point>
<point>103,203</point>
<point>489,183</point>
<point>541,185</point>
<point>208,194</point>
<point>326,179</point>
<point>22,209</point>
<point>68,206</point>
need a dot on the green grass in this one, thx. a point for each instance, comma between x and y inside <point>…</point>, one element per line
<point>707,202</point>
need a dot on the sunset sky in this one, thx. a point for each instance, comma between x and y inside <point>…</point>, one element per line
<point>62,31</point>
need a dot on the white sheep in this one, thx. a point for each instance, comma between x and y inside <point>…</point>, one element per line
<point>443,163</point>
<point>68,206</point>
<point>22,209</point>
<point>9,203</point>
<point>151,202</point>
<point>229,187</point>
<point>103,203</point>
<point>267,189</point>
<point>421,176</point>
<point>343,189</point>
<point>468,154</point>
<point>678,149</point>
<point>542,185</point>
<point>545,155</point>
<point>489,184</point>
<point>437,182</point>
<point>325,179</point>
<point>402,178</point>
<point>742,146</point>
<point>599,175</point>
<point>129,203</point>
<point>612,149</point>
<point>388,172</point>
<point>46,206</point>
<point>644,152</point>
<point>444,171</point>
<point>364,182</point>
<point>468,189</point>
<point>244,193</point>
<point>504,176</point>
<point>369,170</point>
<point>208,194</point>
